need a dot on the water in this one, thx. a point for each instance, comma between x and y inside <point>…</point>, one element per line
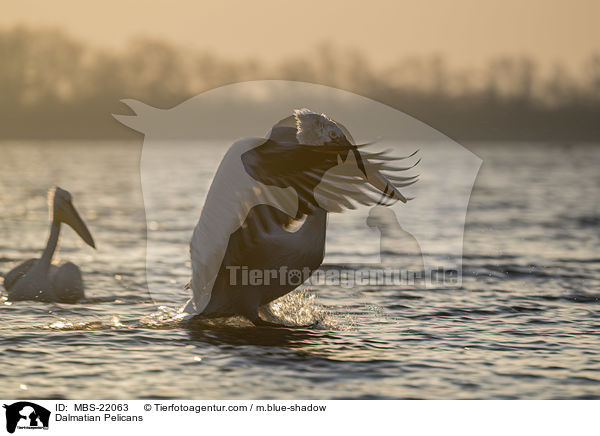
<point>525,324</point>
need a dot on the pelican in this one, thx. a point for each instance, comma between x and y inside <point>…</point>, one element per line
<point>265,214</point>
<point>39,279</point>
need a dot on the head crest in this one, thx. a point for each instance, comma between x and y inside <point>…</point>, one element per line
<point>315,129</point>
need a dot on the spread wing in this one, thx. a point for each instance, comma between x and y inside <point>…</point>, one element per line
<point>333,177</point>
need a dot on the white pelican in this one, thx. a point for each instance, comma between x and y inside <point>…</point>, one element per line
<point>38,279</point>
<point>266,211</point>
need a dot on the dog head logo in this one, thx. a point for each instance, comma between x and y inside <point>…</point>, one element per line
<point>26,415</point>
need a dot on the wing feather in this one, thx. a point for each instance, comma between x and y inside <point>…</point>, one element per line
<point>16,273</point>
<point>318,176</point>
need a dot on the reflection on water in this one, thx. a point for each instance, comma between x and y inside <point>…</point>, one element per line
<point>525,324</point>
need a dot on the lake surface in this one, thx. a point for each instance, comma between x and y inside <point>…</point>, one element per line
<point>525,323</point>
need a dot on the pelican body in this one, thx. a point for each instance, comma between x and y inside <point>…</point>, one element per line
<point>266,211</point>
<point>39,279</point>
<point>266,243</point>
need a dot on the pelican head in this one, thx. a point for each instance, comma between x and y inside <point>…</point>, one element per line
<point>65,212</point>
<point>318,129</point>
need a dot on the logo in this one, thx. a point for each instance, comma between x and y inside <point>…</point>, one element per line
<point>299,173</point>
<point>26,415</point>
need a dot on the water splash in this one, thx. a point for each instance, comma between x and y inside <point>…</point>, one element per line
<point>65,324</point>
<point>299,309</point>
<point>296,309</point>
<point>164,317</point>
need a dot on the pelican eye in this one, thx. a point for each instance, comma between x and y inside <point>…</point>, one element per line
<point>333,134</point>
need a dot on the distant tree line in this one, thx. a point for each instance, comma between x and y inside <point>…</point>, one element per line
<point>54,86</point>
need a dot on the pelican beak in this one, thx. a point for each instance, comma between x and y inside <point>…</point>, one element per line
<point>375,177</point>
<point>381,182</point>
<point>73,219</point>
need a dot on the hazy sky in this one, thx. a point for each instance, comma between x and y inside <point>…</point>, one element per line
<point>467,31</point>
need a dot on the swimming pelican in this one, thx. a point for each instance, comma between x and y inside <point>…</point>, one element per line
<point>265,216</point>
<point>38,279</point>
